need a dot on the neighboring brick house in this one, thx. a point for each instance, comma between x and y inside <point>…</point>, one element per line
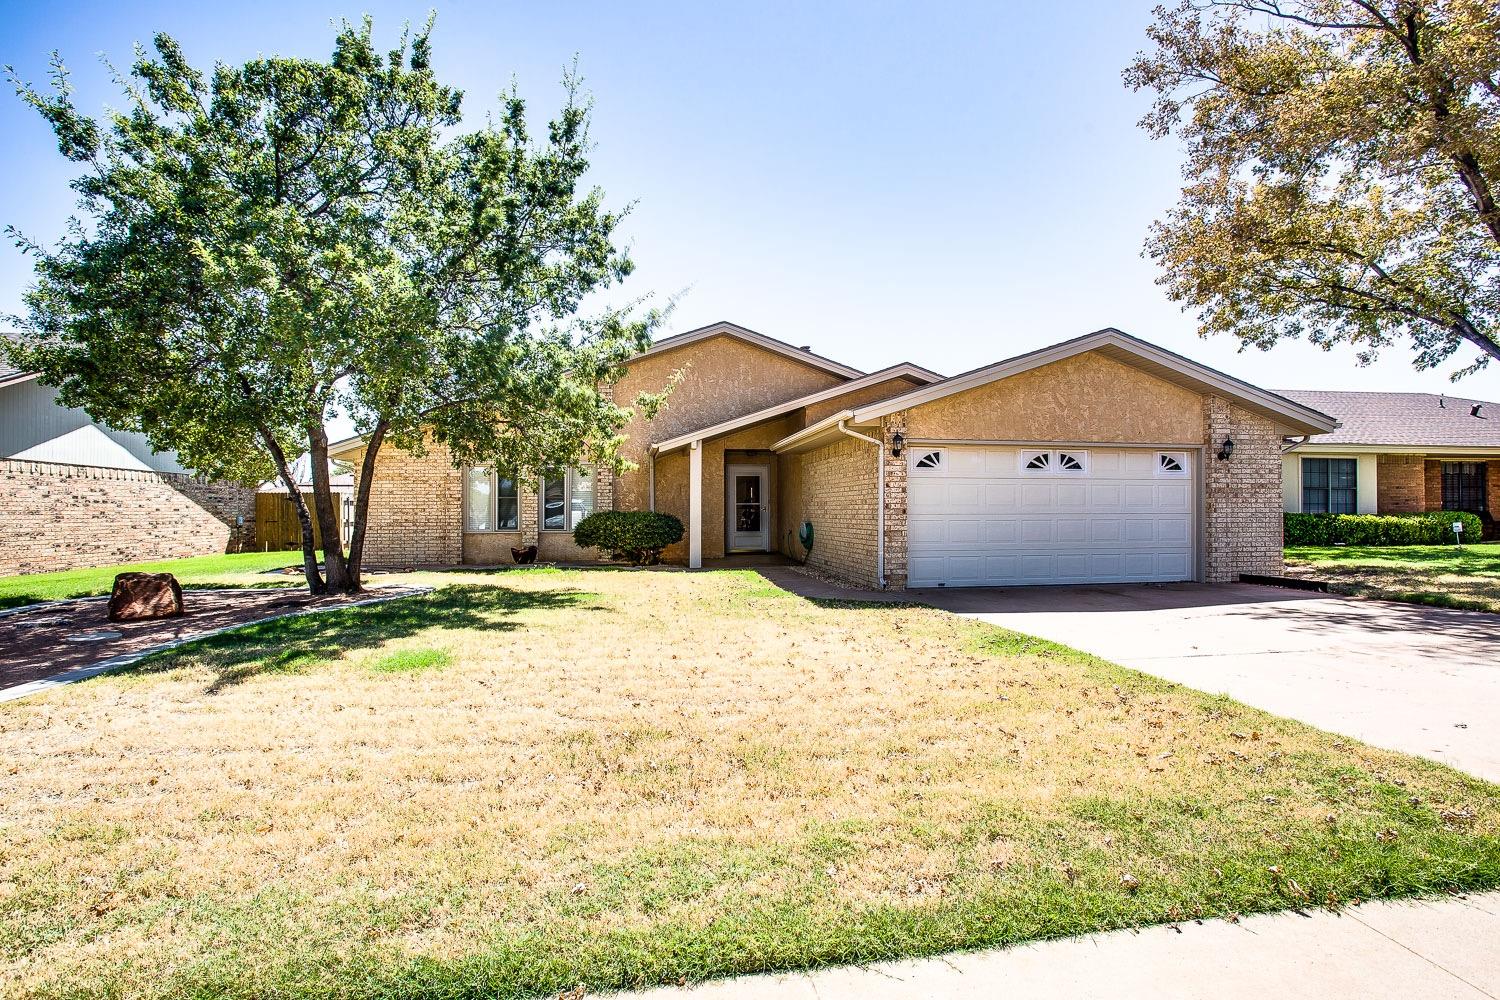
<point>75,493</point>
<point>1101,459</point>
<point>1396,453</point>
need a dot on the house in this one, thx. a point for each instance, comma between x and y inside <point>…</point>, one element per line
<point>1396,453</point>
<point>76,493</point>
<point>1101,459</point>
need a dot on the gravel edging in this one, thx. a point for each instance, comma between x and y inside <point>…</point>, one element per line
<point>126,659</point>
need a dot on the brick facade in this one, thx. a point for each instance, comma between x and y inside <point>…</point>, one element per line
<point>415,514</point>
<point>55,516</point>
<point>1433,484</point>
<point>1400,486</point>
<point>894,469</point>
<point>834,488</point>
<point>1242,522</point>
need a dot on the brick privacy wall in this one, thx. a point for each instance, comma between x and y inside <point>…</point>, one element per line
<point>415,514</point>
<point>55,516</point>
<point>1400,487</point>
<point>894,470</point>
<point>838,497</point>
<point>1242,496</point>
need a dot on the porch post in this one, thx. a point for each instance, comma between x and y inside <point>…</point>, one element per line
<point>695,505</point>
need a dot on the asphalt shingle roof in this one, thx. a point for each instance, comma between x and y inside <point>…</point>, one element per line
<point>1403,418</point>
<point>7,370</point>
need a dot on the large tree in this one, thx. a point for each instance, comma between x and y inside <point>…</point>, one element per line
<point>264,245</point>
<point>1342,172</point>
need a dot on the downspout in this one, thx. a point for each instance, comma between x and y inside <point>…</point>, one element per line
<point>651,481</point>
<point>879,500</point>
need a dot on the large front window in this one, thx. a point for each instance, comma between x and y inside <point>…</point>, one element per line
<point>1463,486</point>
<point>1329,486</point>
<point>491,502</point>
<point>566,499</point>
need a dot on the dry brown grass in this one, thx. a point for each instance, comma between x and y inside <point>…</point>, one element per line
<point>623,777</point>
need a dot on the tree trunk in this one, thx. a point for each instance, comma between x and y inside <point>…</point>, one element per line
<point>362,498</point>
<point>335,567</point>
<point>315,583</point>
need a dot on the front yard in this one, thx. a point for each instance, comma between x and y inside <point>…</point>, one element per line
<point>1440,575</point>
<point>529,780</point>
<point>245,569</point>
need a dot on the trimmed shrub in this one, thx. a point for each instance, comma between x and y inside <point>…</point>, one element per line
<point>1432,528</point>
<point>637,536</point>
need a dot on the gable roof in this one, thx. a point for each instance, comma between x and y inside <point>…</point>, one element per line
<point>1109,342</point>
<point>9,373</point>
<point>726,329</point>
<point>903,370</point>
<point>1403,418</point>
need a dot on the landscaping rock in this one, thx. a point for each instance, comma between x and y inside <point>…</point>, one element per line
<point>140,596</point>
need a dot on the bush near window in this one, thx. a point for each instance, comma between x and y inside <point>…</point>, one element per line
<point>1432,528</point>
<point>637,536</point>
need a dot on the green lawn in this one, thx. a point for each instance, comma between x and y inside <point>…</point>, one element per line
<point>529,780</point>
<point>246,569</point>
<point>1439,575</point>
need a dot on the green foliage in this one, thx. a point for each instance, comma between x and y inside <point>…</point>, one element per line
<point>265,245</point>
<point>1433,528</point>
<point>637,536</point>
<point>1343,170</point>
<point>407,661</point>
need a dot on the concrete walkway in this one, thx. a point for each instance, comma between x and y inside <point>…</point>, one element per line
<point>1443,950</point>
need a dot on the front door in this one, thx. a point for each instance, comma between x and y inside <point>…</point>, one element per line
<point>748,511</point>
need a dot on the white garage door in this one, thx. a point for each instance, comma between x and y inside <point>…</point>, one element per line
<point>997,516</point>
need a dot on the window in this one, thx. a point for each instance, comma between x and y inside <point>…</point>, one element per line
<point>566,499</point>
<point>1329,486</point>
<point>554,503</point>
<point>1073,461</point>
<point>1068,463</point>
<point>1463,486</point>
<point>927,460</point>
<point>1171,463</point>
<point>491,502</point>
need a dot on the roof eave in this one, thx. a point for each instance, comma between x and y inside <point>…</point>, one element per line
<point>726,328</point>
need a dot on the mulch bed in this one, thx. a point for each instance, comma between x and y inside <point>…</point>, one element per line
<point>57,638</point>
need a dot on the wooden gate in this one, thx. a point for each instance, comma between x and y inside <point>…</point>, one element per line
<point>276,524</point>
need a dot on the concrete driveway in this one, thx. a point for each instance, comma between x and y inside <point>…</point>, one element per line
<point>1422,680</point>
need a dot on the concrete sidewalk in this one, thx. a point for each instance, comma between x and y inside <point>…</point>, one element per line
<point>1447,949</point>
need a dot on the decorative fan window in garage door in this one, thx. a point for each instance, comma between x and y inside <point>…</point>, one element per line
<point>1066,463</point>
<point>927,461</point>
<point>1171,464</point>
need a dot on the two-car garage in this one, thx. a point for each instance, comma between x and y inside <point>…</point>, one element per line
<point>995,516</point>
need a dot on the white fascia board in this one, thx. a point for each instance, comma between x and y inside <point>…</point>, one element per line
<point>19,379</point>
<point>1298,414</point>
<point>874,378</point>
<point>812,434</point>
<point>1317,448</point>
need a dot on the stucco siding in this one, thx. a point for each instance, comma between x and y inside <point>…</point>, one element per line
<point>1086,398</point>
<point>723,378</point>
<point>856,397</point>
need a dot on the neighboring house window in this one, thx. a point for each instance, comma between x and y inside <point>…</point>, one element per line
<point>1463,486</point>
<point>491,502</point>
<point>1328,486</point>
<point>566,499</point>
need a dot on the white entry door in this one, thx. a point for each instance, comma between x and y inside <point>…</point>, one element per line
<point>748,512</point>
<point>1008,516</point>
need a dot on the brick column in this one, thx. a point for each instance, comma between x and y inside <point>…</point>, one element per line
<point>530,515</point>
<point>894,471</point>
<point>1242,524</point>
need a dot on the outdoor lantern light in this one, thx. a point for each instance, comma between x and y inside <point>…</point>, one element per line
<point>898,441</point>
<point>1226,449</point>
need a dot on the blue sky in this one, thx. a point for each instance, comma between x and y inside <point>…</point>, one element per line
<point>949,184</point>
